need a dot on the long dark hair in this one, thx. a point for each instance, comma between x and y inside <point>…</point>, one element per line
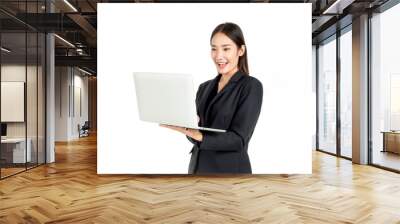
<point>234,33</point>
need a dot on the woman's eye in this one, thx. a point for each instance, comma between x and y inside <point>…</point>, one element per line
<point>226,49</point>
<point>213,49</point>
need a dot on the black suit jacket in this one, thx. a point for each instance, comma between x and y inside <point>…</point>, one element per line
<point>236,109</point>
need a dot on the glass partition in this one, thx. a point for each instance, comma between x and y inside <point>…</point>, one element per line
<point>327,96</point>
<point>13,109</point>
<point>33,73</point>
<point>32,95</point>
<point>22,67</point>
<point>41,109</point>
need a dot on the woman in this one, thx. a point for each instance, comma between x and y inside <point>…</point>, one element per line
<point>231,101</point>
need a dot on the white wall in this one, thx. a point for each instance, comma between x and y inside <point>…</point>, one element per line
<point>80,84</point>
<point>282,140</point>
<point>61,103</point>
<point>70,83</point>
<point>12,73</point>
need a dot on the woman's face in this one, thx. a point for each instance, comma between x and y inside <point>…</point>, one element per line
<point>225,54</point>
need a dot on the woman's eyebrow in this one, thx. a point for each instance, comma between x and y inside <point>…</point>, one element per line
<point>224,45</point>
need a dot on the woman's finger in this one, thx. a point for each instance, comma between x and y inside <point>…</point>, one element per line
<point>176,128</point>
<point>186,131</point>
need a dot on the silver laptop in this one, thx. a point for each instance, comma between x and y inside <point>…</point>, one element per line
<point>167,98</point>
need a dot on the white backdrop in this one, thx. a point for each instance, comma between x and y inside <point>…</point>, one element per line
<point>175,38</point>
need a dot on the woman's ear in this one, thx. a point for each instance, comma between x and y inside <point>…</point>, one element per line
<point>242,50</point>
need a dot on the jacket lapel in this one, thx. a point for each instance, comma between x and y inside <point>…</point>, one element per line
<point>231,83</point>
<point>203,102</point>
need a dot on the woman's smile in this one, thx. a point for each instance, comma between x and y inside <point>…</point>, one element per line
<point>222,65</point>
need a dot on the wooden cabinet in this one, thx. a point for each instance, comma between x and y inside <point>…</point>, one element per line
<point>391,142</point>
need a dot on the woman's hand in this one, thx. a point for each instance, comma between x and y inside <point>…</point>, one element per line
<point>193,133</point>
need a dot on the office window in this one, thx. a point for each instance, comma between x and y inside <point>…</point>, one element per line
<point>346,93</point>
<point>385,88</point>
<point>314,93</point>
<point>327,96</point>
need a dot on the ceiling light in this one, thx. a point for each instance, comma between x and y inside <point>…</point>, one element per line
<point>70,5</point>
<point>84,71</point>
<point>338,6</point>
<point>64,40</point>
<point>5,49</point>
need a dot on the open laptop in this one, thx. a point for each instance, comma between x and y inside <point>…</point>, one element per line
<point>167,98</point>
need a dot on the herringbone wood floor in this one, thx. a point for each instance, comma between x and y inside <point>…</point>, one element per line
<point>70,191</point>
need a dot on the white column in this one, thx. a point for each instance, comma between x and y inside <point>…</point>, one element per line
<point>50,93</point>
<point>360,90</point>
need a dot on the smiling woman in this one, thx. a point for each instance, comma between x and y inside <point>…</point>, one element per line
<point>231,101</point>
<point>228,49</point>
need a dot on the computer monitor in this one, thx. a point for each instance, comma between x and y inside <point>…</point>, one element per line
<point>3,129</point>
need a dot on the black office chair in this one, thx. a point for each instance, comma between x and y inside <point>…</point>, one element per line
<point>84,130</point>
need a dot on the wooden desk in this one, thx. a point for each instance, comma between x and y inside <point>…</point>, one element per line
<point>13,150</point>
<point>391,141</point>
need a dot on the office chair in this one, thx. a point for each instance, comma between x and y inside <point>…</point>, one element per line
<point>84,130</point>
